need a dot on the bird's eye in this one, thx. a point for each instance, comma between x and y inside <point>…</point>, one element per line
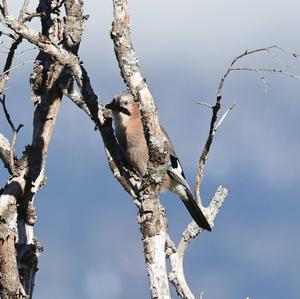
<point>125,103</point>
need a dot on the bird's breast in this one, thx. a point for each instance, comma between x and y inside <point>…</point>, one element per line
<point>137,152</point>
<point>134,147</point>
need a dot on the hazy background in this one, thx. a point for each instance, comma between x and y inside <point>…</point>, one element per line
<point>86,222</point>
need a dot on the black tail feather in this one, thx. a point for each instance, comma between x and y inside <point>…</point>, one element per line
<point>196,212</point>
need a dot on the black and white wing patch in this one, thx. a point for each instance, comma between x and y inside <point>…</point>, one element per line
<point>176,172</point>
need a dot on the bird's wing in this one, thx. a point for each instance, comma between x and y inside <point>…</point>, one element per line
<point>174,167</point>
<point>176,172</point>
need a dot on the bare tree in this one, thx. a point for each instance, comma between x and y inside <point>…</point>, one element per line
<point>58,71</point>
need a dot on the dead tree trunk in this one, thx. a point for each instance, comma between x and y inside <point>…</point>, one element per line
<point>19,248</point>
<point>56,66</point>
<point>57,70</point>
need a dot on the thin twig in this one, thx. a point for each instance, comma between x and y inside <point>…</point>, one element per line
<point>19,65</point>
<point>7,67</point>
<point>283,64</point>
<point>205,104</point>
<point>26,50</point>
<point>2,101</point>
<point>264,81</point>
<point>5,150</point>
<point>220,87</point>
<point>77,99</point>
<point>7,34</point>
<point>224,116</point>
<point>10,56</point>
<point>266,49</point>
<point>15,132</point>
<point>35,15</point>
<point>23,10</point>
<point>20,52</point>
<point>4,8</point>
<point>55,9</point>
<point>217,106</point>
<point>204,154</point>
<point>176,256</point>
<point>295,55</point>
<point>3,46</point>
<point>268,70</point>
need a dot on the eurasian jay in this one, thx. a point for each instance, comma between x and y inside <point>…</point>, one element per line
<point>130,134</point>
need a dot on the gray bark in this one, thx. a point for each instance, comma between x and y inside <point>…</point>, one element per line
<point>57,65</point>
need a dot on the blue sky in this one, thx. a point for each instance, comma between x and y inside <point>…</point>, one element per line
<point>87,224</point>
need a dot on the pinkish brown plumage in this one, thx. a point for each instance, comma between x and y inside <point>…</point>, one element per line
<point>130,135</point>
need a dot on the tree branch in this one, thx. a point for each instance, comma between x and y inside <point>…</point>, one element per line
<point>14,139</point>
<point>268,50</point>
<point>151,216</point>
<point>71,61</point>
<point>54,10</point>
<point>176,257</point>
<point>130,71</point>
<point>176,276</point>
<point>5,74</point>
<point>205,152</point>
<point>4,7</point>
<point>7,34</point>
<point>23,10</point>
<point>5,150</point>
<point>213,124</point>
<point>18,247</point>
<point>269,70</point>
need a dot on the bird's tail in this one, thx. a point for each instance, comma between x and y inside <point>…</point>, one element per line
<point>195,211</point>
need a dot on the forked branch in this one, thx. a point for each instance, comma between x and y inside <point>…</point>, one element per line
<point>176,257</point>
<point>259,70</point>
<point>152,219</point>
<point>214,124</point>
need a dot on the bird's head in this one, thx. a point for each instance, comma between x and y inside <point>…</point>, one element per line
<point>124,107</point>
<point>123,104</point>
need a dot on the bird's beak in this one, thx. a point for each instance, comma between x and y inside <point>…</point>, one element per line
<point>113,105</point>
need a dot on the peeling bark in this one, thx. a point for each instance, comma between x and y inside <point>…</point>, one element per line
<point>176,255</point>
<point>57,66</point>
<point>5,149</point>
<point>153,224</point>
<point>17,198</point>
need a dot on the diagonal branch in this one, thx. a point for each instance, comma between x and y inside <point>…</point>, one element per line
<point>176,255</point>
<point>151,215</point>
<point>213,124</point>
<point>7,34</point>
<point>176,276</point>
<point>14,139</point>
<point>126,178</point>
<point>4,7</point>
<point>5,74</point>
<point>54,10</point>
<point>131,73</point>
<point>54,51</point>
<point>204,154</point>
<point>23,10</point>
<point>72,62</point>
<point>268,50</point>
<point>18,247</point>
<point>268,70</point>
<point>5,150</point>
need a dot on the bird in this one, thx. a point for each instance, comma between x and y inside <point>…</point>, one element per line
<point>130,135</point>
